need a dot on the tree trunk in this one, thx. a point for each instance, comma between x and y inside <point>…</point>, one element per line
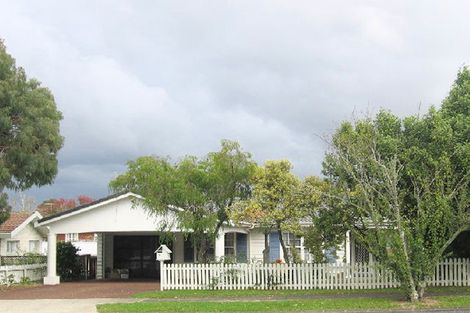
<point>413,294</point>
<point>284,248</point>
<point>421,288</point>
<point>201,251</point>
<point>266,248</point>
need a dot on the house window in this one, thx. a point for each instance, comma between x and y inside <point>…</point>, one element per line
<point>361,254</point>
<point>34,246</point>
<point>188,250</point>
<point>71,237</point>
<point>229,244</point>
<point>330,255</point>
<point>13,246</point>
<point>236,246</point>
<point>293,242</point>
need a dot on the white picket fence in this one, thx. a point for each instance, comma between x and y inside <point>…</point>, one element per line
<point>15,273</point>
<point>450,272</point>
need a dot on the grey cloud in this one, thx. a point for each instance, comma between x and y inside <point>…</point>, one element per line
<point>173,78</point>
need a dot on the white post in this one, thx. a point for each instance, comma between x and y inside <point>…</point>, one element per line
<point>220,245</point>
<point>162,275</point>
<point>51,278</point>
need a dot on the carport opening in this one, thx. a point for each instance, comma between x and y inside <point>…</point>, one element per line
<point>134,256</point>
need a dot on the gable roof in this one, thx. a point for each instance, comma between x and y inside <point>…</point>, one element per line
<point>14,221</point>
<point>86,207</point>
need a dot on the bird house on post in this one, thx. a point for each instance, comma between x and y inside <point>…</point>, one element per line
<point>163,253</point>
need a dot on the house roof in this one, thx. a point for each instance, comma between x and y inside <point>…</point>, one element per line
<point>85,206</point>
<point>14,221</point>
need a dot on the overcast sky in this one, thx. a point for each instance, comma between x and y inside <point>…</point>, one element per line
<point>173,78</point>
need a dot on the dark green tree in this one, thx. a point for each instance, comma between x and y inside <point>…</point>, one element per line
<point>29,129</point>
<point>402,185</point>
<point>5,208</point>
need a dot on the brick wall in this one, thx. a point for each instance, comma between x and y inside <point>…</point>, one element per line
<point>86,236</point>
<point>81,237</point>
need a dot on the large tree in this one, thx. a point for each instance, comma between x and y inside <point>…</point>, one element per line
<point>402,185</point>
<point>195,192</point>
<point>273,205</point>
<point>29,129</point>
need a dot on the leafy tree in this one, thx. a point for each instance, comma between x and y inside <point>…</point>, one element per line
<point>273,203</point>
<point>84,199</point>
<point>323,231</point>
<point>194,193</point>
<point>29,129</point>
<point>52,206</point>
<point>402,185</point>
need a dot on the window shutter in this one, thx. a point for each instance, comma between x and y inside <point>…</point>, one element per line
<point>274,247</point>
<point>242,255</point>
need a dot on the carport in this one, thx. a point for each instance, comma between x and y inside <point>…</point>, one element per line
<point>127,237</point>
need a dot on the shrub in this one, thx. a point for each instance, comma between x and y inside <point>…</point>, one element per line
<point>68,262</point>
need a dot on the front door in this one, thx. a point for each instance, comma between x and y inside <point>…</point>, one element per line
<point>136,253</point>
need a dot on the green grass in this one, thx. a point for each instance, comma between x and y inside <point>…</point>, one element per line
<point>169,294</point>
<point>261,306</point>
<point>284,305</point>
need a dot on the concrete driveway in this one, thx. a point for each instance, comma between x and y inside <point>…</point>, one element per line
<point>80,290</point>
<point>56,305</point>
<point>74,297</point>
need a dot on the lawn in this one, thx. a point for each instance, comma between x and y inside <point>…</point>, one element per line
<point>175,294</point>
<point>284,305</point>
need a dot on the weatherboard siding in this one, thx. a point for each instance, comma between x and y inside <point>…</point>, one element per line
<point>255,245</point>
<point>24,236</point>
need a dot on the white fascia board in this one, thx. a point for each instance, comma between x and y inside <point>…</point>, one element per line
<point>91,207</point>
<point>32,217</point>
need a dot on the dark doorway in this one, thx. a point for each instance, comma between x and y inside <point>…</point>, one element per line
<point>136,253</point>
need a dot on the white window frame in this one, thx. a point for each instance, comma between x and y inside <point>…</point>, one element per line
<point>37,246</point>
<point>234,247</point>
<point>288,238</point>
<point>71,237</point>
<point>10,245</point>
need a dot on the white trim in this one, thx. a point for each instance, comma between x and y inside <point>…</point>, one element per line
<point>91,207</point>
<point>35,215</point>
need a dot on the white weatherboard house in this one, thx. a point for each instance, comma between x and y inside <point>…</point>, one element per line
<point>18,235</point>
<point>127,238</point>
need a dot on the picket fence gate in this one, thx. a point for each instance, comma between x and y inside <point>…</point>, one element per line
<point>449,272</point>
